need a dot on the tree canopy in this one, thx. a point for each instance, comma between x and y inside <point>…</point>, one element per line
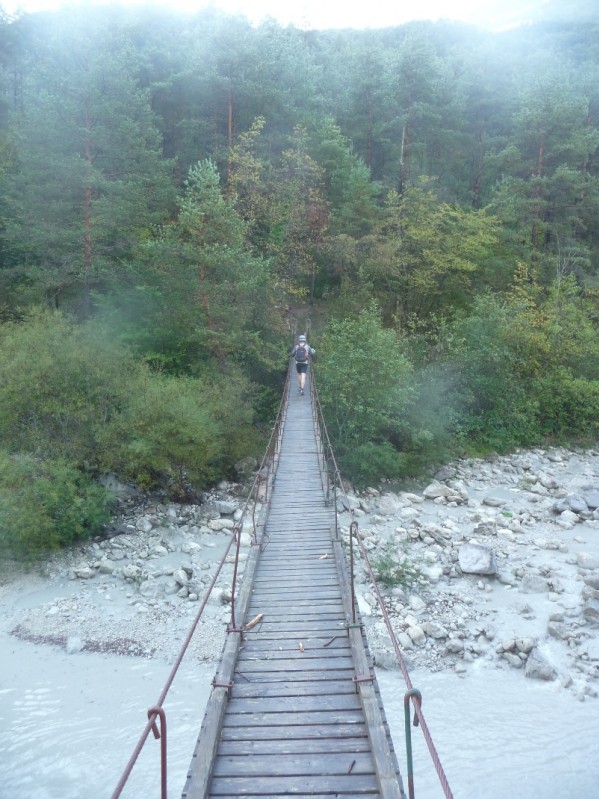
<point>179,194</point>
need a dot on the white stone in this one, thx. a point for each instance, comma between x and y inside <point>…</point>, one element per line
<point>477,559</point>
<point>74,645</point>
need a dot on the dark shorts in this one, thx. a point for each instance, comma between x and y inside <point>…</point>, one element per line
<point>302,368</point>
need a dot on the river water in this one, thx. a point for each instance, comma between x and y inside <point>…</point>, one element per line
<point>70,722</point>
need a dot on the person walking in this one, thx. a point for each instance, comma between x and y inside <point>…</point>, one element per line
<point>303,354</point>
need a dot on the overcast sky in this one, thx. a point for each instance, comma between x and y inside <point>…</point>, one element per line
<point>328,13</point>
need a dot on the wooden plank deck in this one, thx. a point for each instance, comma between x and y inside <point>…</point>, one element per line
<point>295,722</point>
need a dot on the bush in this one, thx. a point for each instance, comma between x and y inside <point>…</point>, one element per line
<point>569,406</point>
<point>60,385</point>
<point>364,384</point>
<point>45,505</point>
<point>68,392</point>
<point>495,402</point>
<point>393,568</point>
<point>366,463</point>
<point>165,433</point>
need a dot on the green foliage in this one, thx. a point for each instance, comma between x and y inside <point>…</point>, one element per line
<point>568,406</point>
<point>164,430</point>
<point>393,568</point>
<point>204,297</point>
<point>447,175</point>
<point>46,504</point>
<point>497,409</point>
<point>425,254</point>
<point>363,380</point>
<point>67,391</point>
<point>366,463</point>
<point>60,386</point>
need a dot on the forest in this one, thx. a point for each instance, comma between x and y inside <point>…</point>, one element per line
<point>180,194</point>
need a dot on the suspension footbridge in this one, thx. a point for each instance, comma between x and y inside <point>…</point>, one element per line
<point>295,708</point>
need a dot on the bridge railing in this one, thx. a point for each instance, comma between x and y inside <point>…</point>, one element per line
<point>334,490</point>
<point>258,496</point>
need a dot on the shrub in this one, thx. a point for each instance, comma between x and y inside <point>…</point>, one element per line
<point>569,406</point>
<point>393,568</point>
<point>45,505</point>
<point>165,432</point>
<point>497,407</point>
<point>363,380</point>
<point>366,463</point>
<point>60,385</point>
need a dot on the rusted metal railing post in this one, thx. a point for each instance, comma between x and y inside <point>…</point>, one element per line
<point>153,713</point>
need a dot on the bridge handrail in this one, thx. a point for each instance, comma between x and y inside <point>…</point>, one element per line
<point>412,694</point>
<point>262,481</point>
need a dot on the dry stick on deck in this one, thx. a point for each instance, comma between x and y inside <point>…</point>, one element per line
<point>254,621</point>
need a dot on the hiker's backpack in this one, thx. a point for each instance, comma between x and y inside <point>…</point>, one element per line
<point>301,353</point>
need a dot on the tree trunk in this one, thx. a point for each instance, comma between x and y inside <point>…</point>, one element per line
<point>87,247</point>
<point>538,194</point>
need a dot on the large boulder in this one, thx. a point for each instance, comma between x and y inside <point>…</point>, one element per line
<point>477,559</point>
<point>538,667</point>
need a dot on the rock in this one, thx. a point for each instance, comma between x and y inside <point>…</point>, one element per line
<point>434,630</point>
<point>446,472</point>
<point>190,548</point>
<point>74,645</point>
<point>591,497</point>
<point>591,610</point>
<point>573,502</point>
<point>513,660</point>
<point>584,560</point>
<point>538,666</point>
<point>557,629</point>
<point>180,576</point>
<point>454,646</point>
<point>225,506</point>
<point>436,490</point>
<point>494,502</point>
<point>416,603</point>
<point>533,584</point>
<point>477,559</point>
<point>84,572</point>
<point>221,524</point>
<point>363,606</point>
<point>485,528</point>
<point>417,635</point>
<point>348,502</point>
<point>525,645</point>
<point>567,519</point>
<point>388,504</point>
<point>131,572</point>
<point>105,566</point>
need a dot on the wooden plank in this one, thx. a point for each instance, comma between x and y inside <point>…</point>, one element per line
<point>308,732</point>
<point>323,718</point>
<point>248,665</point>
<point>293,688</point>
<point>343,795</point>
<point>294,746</point>
<point>267,786</point>
<point>294,765</point>
<point>291,643</point>
<point>294,704</point>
